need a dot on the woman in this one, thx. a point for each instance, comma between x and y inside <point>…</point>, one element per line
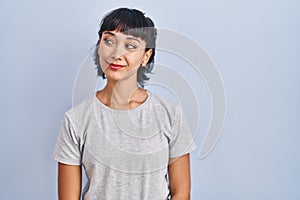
<point>131,143</point>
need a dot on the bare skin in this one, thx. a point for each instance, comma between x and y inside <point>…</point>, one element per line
<point>179,177</point>
<point>69,179</point>
<point>69,182</point>
<point>122,93</point>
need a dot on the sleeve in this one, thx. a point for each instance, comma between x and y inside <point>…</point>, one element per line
<point>182,141</point>
<point>67,147</point>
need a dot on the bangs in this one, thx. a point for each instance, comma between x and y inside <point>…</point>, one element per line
<point>129,22</point>
<point>134,23</point>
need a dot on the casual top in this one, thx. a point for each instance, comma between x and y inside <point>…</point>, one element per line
<point>125,153</point>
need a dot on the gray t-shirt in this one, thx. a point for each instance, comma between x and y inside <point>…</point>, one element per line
<point>125,153</point>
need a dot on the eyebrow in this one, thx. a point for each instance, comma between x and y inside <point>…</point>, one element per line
<point>128,38</point>
<point>109,33</point>
<point>133,38</point>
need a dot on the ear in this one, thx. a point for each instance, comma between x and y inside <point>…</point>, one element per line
<point>146,57</point>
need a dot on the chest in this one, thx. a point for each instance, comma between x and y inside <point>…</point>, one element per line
<point>134,144</point>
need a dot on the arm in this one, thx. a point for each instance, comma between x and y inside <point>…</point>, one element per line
<point>179,177</point>
<point>69,182</point>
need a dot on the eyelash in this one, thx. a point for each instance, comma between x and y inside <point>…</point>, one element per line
<point>110,42</point>
<point>130,46</point>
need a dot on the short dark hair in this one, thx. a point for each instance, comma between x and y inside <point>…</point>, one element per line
<point>130,22</point>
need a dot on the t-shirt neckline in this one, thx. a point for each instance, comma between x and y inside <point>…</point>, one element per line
<point>98,102</point>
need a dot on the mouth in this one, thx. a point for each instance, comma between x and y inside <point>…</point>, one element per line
<point>115,66</point>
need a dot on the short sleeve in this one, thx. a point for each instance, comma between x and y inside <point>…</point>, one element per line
<point>67,147</point>
<point>182,141</point>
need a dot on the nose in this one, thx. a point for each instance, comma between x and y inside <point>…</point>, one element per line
<point>118,52</point>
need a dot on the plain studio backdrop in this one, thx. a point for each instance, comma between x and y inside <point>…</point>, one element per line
<point>254,44</point>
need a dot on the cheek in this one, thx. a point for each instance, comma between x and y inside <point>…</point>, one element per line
<point>103,52</point>
<point>103,55</point>
<point>134,61</point>
<point>137,58</point>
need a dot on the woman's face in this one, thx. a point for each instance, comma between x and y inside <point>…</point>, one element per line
<point>121,55</point>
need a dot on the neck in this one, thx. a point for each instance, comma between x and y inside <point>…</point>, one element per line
<point>119,94</point>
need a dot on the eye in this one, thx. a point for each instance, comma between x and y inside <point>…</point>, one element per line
<point>108,41</point>
<point>130,46</point>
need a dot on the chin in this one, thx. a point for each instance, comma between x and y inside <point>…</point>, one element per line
<point>120,75</point>
<point>114,77</point>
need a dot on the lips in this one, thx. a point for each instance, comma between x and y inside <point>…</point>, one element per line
<point>115,66</point>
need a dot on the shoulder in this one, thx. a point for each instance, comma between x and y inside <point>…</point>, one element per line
<point>81,110</point>
<point>157,99</point>
<point>168,106</point>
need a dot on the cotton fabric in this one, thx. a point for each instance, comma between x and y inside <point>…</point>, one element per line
<point>125,153</point>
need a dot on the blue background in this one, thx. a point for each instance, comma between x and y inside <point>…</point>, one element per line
<point>255,45</point>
